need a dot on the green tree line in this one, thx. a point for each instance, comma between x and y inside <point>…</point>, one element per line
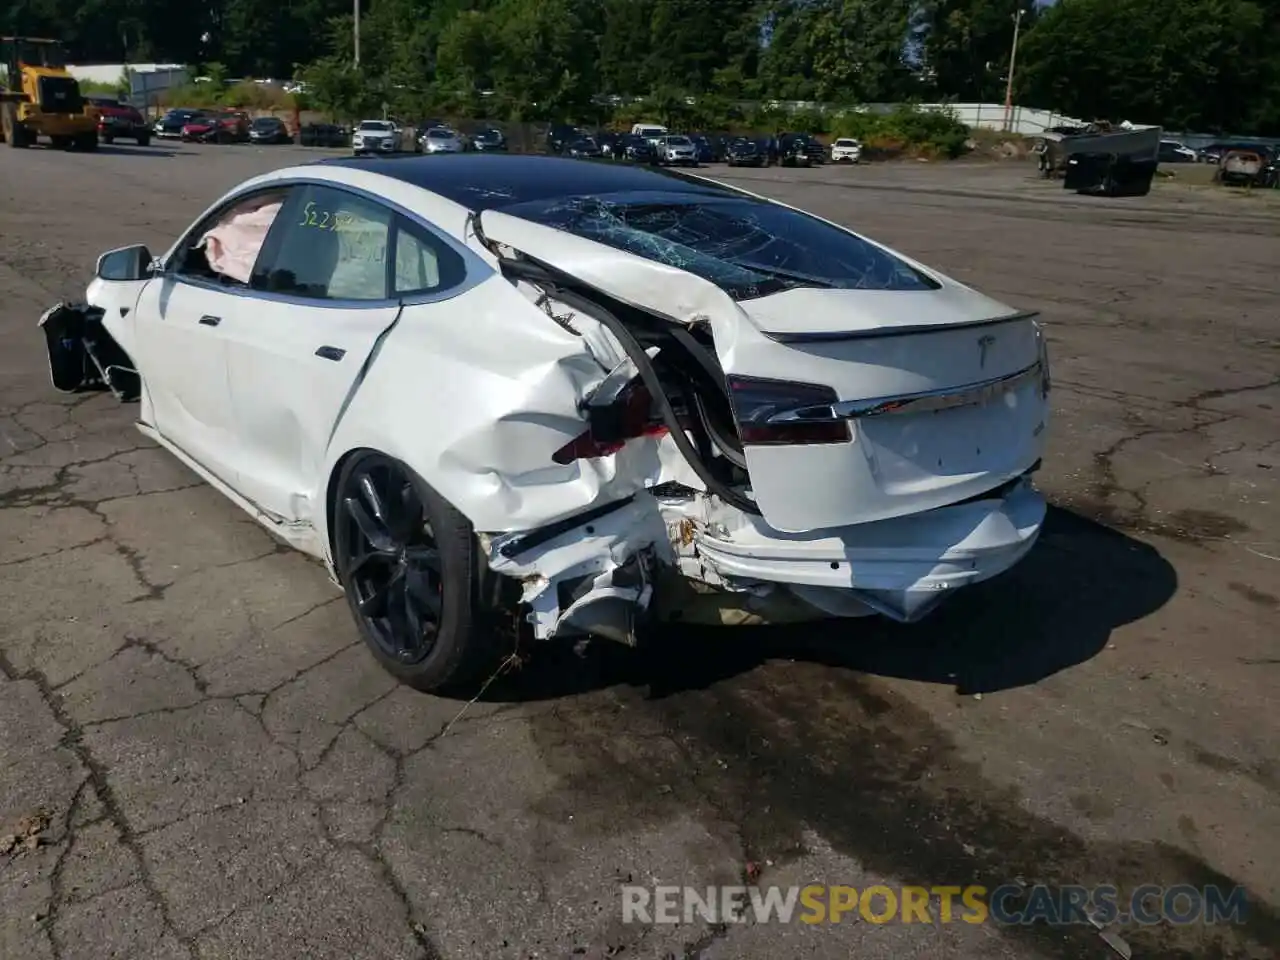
<point>1210,65</point>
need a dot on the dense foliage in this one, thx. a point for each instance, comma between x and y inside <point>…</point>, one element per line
<point>1207,64</point>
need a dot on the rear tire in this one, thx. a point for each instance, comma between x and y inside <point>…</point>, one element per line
<point>108,139</point>
<point>14,133</point>
<point>88,142</point>
<point>419,588</point>
<point>144,140</point>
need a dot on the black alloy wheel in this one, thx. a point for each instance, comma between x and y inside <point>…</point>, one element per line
<point>417,583</point>
<point>392,563</point>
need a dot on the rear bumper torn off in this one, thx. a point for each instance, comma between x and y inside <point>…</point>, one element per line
<point>598,576</point>
<point>901,568</point>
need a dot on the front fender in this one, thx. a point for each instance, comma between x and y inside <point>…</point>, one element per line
<point>118,301</point>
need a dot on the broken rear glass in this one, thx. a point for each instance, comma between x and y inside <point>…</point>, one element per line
<point>749,248</point>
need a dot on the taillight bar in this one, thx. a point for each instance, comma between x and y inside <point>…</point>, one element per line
<point>759,406</point>
<point>928,401</point>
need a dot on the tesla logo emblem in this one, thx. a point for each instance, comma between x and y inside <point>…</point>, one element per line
<point>984,343</point>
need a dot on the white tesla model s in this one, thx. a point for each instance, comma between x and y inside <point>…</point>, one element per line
<point>588,393</point>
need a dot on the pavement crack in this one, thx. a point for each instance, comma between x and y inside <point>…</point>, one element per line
<point>270,692</point>
<point>98,781</point>
<point>1204,396</point>
<point>346,724</point>
<point>158,711</point>
<point>154,649</point>
<point>54,553</point>
<point>475,834</point>
<point>56,879</point>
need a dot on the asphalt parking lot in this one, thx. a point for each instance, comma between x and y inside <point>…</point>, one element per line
<point>198,759</point>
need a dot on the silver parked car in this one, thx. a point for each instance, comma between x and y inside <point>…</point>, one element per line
<point>677,150</point>
<point>441,140</point>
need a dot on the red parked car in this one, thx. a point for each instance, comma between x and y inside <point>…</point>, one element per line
<point>119,121</point>
<point>231,126</point>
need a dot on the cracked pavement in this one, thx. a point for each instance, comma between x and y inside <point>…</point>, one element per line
<point>218,770</point>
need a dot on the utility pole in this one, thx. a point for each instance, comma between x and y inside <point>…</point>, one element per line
<point>356,32</point>
<point>1013,58</point>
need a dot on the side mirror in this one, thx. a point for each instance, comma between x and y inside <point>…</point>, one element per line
<point>125,263</point>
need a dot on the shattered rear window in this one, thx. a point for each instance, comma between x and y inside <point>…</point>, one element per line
<point>749,248</point>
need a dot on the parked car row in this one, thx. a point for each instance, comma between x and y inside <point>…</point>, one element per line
<point>381,137</point>
<point>1239,164</point>
<point>645,143</point>
<point>215,126</point>
<point>655,144</point>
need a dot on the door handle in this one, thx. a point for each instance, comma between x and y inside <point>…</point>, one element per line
<point>331,353</point>
<point>209,321</point>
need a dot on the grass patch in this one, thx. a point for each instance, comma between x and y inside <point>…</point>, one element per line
<point>241,96</point>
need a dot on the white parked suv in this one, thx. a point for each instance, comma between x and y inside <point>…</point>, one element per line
<point>846,150</point>
<point>379,137</point>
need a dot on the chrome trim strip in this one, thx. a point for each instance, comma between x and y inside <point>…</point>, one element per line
<point>928,401</point>
<point>828,336</point>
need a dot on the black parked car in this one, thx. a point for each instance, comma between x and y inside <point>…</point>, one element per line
<point>705,147</point>
<point>584,148</point>
<point>746,153</point>
<point>489,140</point>
<point>628,146</point>
<point>561,135</point>
<point>608,141</point>
<point>324,135</point>
<point>1212,153</point>
<point>265,130</point>
<point>799,150</point>
<point>170,125</point>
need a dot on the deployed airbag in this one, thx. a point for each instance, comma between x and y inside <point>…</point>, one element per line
<point>232,246</point>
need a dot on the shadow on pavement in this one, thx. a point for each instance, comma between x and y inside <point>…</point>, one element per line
<point>133,150</point>
<point>700,726</point>
<point>1054,610</point>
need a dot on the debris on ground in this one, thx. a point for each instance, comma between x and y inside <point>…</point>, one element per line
<point>1117,943</point>
<point>27,836</point>
<point>1111,939</point>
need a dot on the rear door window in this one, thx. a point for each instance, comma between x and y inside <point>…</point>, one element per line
<point>330,245</point>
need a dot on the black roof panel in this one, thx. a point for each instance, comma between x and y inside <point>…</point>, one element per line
<point>483,181</point>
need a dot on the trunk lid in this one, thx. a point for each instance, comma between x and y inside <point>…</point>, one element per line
<point>943,391</point>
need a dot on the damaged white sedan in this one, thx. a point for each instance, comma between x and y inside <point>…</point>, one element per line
<point>589,393</point>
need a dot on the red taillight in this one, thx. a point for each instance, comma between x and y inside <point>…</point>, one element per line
<point>627,418</point>
<point>779,412</point>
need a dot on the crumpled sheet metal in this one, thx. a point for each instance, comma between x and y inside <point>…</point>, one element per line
<point>597,548</point>
<point>648,284</point>
<point>515,382</point>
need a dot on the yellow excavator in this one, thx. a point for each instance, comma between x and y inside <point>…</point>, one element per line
<point>39,98</point>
